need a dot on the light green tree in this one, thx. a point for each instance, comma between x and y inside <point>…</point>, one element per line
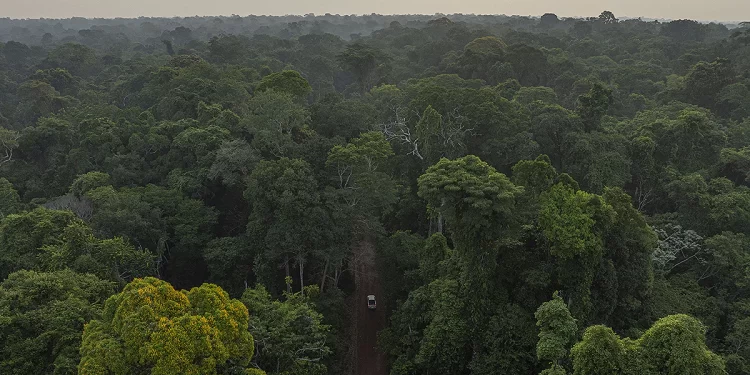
<point>557,333</point>
<point>153,327</point>
<point>10,202</point>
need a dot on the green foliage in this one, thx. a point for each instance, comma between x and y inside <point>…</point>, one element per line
<point>535,176</point>
<point>557,331</point>
<point>49,240</point>
<point>41,319</point>
<point>705,80</point>
<point>508,344</point>
<point>676,345</point>
<point>363,61</point>
<point>362,184</point>
<point>599,352</point>
<point>10,202</point>
<point>439,337</point>
<point>673,345</point>
<point>469,193</point>
<point>154,217</point>
<point>288,81</point>
<point>272,150</point>
<point>567,223</point>
<point>87,182</point>
<point>274,118</point>
<point>594,105</point>
<point>287,214</point>
<point>290,337</point>
<point>152,326</point>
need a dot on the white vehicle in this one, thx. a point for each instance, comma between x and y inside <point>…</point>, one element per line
<point>371,302</point>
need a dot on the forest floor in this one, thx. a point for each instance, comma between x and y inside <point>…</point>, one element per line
<point>366,323</point>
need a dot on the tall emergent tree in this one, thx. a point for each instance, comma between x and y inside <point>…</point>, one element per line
<point>156,329</point>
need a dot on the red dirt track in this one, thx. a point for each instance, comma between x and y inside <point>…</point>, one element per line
<point>366,323</point>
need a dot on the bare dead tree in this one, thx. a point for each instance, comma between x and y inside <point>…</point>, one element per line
<point>643,195</point>
<point>8,142</point>
<point>398,130</point>
<point>453,132</point>
<point>678,246</point>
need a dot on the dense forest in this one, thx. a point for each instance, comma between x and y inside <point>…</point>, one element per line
<point>524,195</point>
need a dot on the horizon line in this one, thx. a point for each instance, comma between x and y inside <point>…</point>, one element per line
<point>328,14</point>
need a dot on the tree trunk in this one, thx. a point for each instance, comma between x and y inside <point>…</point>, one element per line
<point>301,264</point>
<point>325,276</point>
<point>440,216</point>
<point>337,274</point>
<point>286,268</point>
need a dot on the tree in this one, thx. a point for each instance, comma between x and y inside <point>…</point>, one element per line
<point>151,326</point>
<point>508,344</point>
<point>676,345</point>
<point>528,95</point>
<point>87,182</point>
<point>684,30</point>
<point>287,215</point>
<point>594,105</point>
<point>581,29</point>
<point>41,319</point>
<point>552,127</point>
<point>363,61</point>
<point>566,223</point>
<point>572,224</point>
<point>230,262</point>
<point>704,82</point>
<point>598,159</point>
<point>60,79</point>
<point>673,345</point>
<point>470,194</point>
<point>430,333</point>
<point>288,81</point>
<point>678,247</point>
<point>174,228</point>
<point>686,137</point>
<point>275,116</point>
<point>49,240</point>
<point>557,331</point>
<point>289,336</point>
<point>481,57</point>
<point>8,143</point>
<point>75,58</point>
<point>536,176</point>
<point>608,17</point>
<point>629,243</point>
<point>529,64</point>
<point>548,20</point>
<point>477,203</point>
<point>600,352</point>
<point>359,175</point>
<point>229,48</point>
<point>37,99</point>
<point>10,202</point>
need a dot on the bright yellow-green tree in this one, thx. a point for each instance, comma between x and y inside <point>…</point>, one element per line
<point>675,344</point>
<point>154,329</point>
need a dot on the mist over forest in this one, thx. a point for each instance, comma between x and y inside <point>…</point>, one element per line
<point>378,194</point>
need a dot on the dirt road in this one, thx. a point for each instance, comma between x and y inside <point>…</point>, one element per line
<point>368,359</point>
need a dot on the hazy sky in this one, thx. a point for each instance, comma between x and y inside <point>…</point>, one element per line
<point>724,10</point>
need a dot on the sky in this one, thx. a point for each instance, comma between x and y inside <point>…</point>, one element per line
<point>705,10</point>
